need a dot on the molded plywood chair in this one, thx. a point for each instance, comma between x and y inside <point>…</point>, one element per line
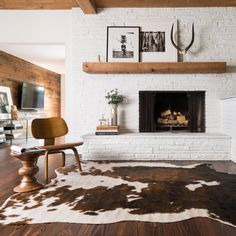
<point>49,129</point>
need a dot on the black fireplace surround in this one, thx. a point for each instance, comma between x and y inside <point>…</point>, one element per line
<point>172,110</point>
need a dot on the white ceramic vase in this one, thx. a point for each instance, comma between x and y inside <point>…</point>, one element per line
<point>114,109</point>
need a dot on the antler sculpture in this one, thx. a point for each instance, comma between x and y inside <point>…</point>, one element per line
<point>182,51</point>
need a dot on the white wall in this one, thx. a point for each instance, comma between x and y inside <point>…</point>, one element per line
<point>41,27</point>
<point>215,41</point>
<point>229,122</point>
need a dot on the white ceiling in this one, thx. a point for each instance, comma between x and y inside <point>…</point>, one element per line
<point>49,56</point>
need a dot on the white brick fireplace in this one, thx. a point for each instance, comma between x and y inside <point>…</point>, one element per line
<point>215,41</point>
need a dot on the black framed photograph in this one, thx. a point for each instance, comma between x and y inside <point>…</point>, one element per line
<point>123,44</point>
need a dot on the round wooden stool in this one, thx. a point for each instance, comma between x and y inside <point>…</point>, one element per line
<point>28,170</point>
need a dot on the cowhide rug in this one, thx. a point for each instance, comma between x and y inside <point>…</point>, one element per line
<point>127,191</point>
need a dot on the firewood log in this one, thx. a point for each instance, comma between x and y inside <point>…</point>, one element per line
<point>172,122</point>
<point>165,113</point>
<point>162,121</point>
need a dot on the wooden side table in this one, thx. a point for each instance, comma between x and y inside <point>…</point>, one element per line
<point>28,170</point>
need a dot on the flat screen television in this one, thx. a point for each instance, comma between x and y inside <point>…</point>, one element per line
<point>32,96</point>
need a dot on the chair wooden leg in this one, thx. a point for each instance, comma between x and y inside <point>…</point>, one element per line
<point>46,167</point>
<point>63,158</point>
<point>77,158</point>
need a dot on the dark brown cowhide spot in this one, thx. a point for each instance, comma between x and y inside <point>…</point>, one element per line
<point>54,209</point>
<point>2,216</point>
<point>113,198</point>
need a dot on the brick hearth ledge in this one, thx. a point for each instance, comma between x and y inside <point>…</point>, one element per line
<point>157,146</point>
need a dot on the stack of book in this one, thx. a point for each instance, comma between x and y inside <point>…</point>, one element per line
<point>18,149</point>
<point>107,130</point>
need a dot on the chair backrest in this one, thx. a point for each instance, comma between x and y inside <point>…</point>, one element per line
<point>48,129</point>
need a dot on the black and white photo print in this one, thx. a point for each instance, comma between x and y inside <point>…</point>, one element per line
<point>155,42</point>
<point>5,102</point>
<point>152,41</point>
<point>122,44</point>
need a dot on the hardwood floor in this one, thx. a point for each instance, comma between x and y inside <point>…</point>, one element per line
<point>197,226</point>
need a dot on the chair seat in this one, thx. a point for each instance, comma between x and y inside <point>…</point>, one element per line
<point>61,146</point>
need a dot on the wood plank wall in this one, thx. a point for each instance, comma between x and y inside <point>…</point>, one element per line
<point>14,71</point>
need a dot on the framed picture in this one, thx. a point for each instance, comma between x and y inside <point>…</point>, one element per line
<point>155,43</point>
<point>5,102</point>
<point>123,44</point>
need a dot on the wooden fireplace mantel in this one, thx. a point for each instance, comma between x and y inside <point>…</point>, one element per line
<point>154,67</point>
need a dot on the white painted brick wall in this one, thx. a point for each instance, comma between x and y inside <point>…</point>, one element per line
<point>215,41</point>
<point>158,146</point>
<point>229,122</point>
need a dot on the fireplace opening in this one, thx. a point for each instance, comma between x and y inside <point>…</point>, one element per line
<point>172,110</point>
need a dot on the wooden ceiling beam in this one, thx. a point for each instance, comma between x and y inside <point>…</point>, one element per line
<point>90,6</point>
<point>37,4</point>
<point>87,6</point>
<point>163,3</point>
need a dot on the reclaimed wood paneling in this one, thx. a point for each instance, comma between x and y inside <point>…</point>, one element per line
<point>14,71</point>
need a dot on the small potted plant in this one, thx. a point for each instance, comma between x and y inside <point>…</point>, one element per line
<point>114,98</point>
